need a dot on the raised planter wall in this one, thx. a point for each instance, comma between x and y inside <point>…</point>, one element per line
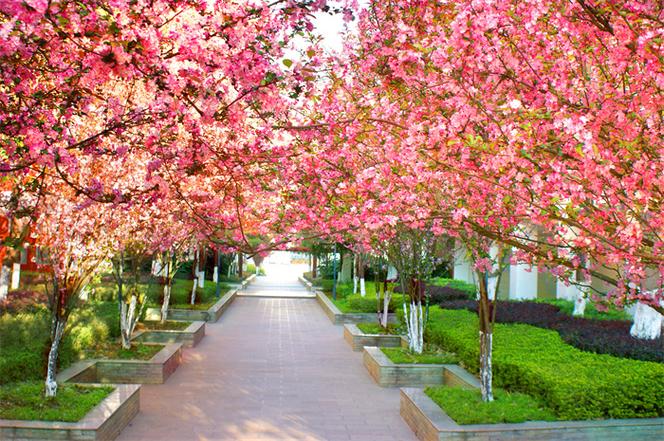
<point>210,315</point>
<point>103,423</point>
<point>430,423</point>
<point>358,339</point>
<point>339,318</point>
<point>153,371</point>
<point>189,337</point>
<point>388,374</point>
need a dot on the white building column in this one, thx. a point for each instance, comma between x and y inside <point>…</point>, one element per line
<point>463,268</point>
<point>523,282</point>
<point>570,292</point>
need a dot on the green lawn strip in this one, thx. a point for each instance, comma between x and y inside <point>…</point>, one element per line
<point>26,401</point>
<point>355,303</point>
<point>375,328</point>
<point>114,351</point>
<point>465,406</point>
<point>195,307</point>
<point>168,325</point>
<point>591,312</point>
<point>460,285</point>
<point>405,356</point>
<point>573,383</point>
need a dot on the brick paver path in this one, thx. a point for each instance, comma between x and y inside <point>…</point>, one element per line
<point>270,369</point>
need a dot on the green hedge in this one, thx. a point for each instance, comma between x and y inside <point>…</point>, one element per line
<point>573,383</point>
<point>24,339</point>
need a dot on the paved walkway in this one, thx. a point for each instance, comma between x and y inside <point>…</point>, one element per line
<point>270,369</point>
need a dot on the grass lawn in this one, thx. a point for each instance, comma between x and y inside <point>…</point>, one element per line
<point>465,406</point>
<point>114,351</point>
<point>404,356</point>
<point>168,325</point>
<point>591,312</point>
<point>26,401</point>
<point>375,328</point>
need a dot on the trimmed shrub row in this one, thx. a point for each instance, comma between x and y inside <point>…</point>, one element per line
<point>599,336</point>
<point>573,383</point>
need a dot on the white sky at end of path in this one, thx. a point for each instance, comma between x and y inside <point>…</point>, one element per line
<point>330,27</point>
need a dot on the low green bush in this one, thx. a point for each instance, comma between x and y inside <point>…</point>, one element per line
<point>535,361</point>
<point>24,338</point>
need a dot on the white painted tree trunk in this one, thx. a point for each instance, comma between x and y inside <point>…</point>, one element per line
<point>486,372</point>
<point>355,275</point>
<point>647,323</point>
<point>51,383</point>
<point>414,326</point>
<point>215,275</point>
<point>193,291</point>
<point>392,273</point>
<point>16,275</point>
<point>157,267</point>
<point>201,279</point>
<point>4,281</point>
<point>128,319</point>
<point>386,307</point>
<point>167,300</point>
<point>580,303</point>
<point>363,288</point>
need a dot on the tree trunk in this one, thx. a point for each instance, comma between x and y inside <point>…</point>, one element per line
<point>579,304</point>
<point>355,278</point>
<point>346,268</point>
<point>128,321</point>
<point>57,329</point>
<point>387,296</point>
<point>167,300</point>
<point>201,268</point>
<point>486,371</point>
<point>193,291</point>
<point>5,274</point>
<point>167,288</point>
<point>486,316</point>
<point>16,275</point>
<point>360,275</point>
<point>647,323</point>
<point>314,267</point>
<point>240,264</point>
<point>414,325</point>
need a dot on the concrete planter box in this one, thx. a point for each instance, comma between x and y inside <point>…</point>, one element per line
<point>210,315</point>
<point>358,339</point>
<point>189,337</point>
<point>388,374</point>
<point>153,371</point>
<point>431,423</point>
<point>103,423</point>
<point>339,318</point>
